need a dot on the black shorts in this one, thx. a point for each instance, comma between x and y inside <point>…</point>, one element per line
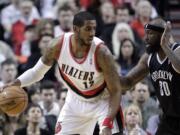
<point>169,126</point>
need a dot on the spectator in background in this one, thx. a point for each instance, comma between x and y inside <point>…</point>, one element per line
<point>72,3</point>
<point>65,17</point>
<point>141,97</point>
<point>18,28</point>
<point>121,15</point>
<point>48,95</point>
<point>128,56</point>
<point>8,71</point>
<point>133,4</point>
<point>12,124</point>
<point>121,31</point>
<point>46,8</point>
<point>34,93</point>
<point>11,14</point>
<point>34,115</point>
<point>45,26</point>
<point>153,123</point>
<point>6,52</point>
<point>29,37</point>
<point>62,97</point>
<point>143,12</point>
<point>107,12</point>
<point>49,105</point>
<point>133,120</point>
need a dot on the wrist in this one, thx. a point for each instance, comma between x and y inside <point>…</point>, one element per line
<point>107,122</point>
<point>16,82</point>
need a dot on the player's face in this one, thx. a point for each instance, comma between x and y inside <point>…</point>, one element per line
<point>152,39</point>
<point>87,32</point>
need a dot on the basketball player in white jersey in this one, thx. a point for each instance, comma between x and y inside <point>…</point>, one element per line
<point>88,70</point>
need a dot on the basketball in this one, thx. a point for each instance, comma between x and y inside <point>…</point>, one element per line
<point>13,100</point>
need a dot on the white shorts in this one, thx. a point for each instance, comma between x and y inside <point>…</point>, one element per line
<point>80,117</point>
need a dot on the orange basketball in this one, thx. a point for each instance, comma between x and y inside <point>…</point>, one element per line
<point>13,100</point>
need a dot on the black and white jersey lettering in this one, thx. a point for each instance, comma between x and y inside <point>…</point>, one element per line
<point>166,81</point>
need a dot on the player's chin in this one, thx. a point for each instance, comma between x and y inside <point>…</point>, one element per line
<point>88,42</point>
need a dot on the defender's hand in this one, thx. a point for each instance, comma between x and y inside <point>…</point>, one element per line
<point>165,38</point>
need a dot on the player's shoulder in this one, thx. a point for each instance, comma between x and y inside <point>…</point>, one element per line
<point>55,42</point>
<point>98,41</point>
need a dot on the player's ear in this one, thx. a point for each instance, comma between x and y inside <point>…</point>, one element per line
<point>76,29</point>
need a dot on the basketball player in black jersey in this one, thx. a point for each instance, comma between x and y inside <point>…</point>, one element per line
<point>162,61</point>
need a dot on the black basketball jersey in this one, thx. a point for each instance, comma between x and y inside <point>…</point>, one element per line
<point>166,81</point>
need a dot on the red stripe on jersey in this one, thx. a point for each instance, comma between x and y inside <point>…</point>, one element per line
<point>86,93</point>
<point>59,46</point>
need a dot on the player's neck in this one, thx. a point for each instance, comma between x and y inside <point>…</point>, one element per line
<point>161,54</point>
<point>79,50</point>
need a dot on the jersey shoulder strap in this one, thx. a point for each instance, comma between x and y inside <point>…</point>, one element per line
<point>175,45</point>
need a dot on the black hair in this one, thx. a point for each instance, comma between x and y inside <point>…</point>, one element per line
<point>122,7</point>
<point>82,16</point>
<point>64,7</point>
<point>134,57</point>
<point>47,84</point>
<point>8,62</point>
<point>33,105</point>
<point>32,90</point>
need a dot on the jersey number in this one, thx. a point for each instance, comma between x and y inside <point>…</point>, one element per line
<point>88,84</point>
<point>164,88</point>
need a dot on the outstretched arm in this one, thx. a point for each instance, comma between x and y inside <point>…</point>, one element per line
<point>107,65</point>
<point>174,56</point>
<point>136,74</point>
<point>39,70</point>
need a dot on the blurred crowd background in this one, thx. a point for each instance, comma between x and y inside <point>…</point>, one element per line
<point>27,27</point>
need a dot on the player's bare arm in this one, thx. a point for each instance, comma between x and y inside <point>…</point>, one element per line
<point>136,74</point>
<point>174,56</point>
<point>107,65</point>
<point>52,49</point>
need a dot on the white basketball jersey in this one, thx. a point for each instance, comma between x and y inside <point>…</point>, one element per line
<point>81,76</point>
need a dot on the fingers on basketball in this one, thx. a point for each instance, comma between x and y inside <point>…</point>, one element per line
<point>13,100</point>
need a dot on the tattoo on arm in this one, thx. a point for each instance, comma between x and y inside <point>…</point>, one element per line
<point>108,67</point>
<point>49,57</point>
